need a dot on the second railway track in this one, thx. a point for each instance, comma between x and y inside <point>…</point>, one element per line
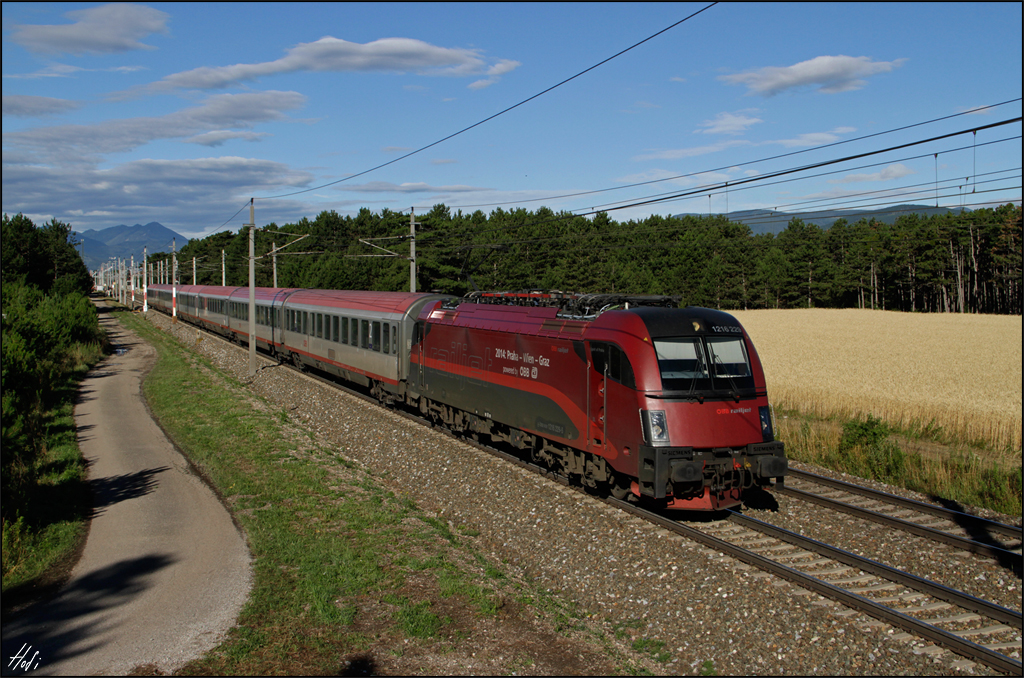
<point>956,528</point>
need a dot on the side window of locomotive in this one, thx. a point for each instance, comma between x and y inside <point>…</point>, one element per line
<point>364,333</point>
<point>611,360</point>
<point>619,368</point>
<point>599,355</point>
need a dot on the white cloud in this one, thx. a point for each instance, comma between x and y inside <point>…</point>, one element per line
<point>190,196</point>
<point>61,144</point>
<point>27,106</point>
<point>725,122</point>
<point>676,154</point>
<point>494,73</point>
<point>57,70</point>
<point>813,138</point>
<point>409,187</point>
<point>728,123</point>
<point>329,54</point>
<point>220,137</point>
<point>890,173</point>
<point>102,30</point>
<point>979,110</point>
<point>831,74</point>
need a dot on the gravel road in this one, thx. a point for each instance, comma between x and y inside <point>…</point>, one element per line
<point>702,604</point>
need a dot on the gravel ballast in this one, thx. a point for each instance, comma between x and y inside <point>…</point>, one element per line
<point>703,605</point>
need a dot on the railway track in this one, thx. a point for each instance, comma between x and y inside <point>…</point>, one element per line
<point>966,625</point>
<point>961,530</point>
<point>944,616</point>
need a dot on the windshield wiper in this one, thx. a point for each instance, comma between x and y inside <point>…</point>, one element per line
<point>701,367</point>
<point>735,389</point>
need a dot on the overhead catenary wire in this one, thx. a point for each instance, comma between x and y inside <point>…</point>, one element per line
<point>492,117</point>
<point>741,164</point>
<point>701,191</point>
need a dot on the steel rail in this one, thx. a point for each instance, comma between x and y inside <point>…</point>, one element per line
<point>959,517</point>
<point>1005,556</point>
<point>936,635</point>
<point>959,598</point>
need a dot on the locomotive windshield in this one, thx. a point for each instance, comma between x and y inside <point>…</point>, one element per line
<point>693,364</point>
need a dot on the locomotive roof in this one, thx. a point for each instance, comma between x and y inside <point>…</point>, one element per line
<point>689,321</point>
<point>548,321</point>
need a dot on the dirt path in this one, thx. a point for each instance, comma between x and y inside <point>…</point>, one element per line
<point>164,572</point>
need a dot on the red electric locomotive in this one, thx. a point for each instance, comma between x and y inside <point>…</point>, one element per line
<point>628,393</point>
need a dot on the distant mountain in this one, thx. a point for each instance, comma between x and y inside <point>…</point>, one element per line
<point>125,241</point>
<point>769,221</point>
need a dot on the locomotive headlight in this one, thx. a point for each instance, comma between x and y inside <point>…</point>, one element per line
<point>767,433</point>
<point>655,427</point>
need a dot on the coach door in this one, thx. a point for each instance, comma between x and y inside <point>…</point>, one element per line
<point>611,389</point>
<point>417,349</point>
<point>597,397</point>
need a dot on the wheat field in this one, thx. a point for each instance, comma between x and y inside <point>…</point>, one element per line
<point>961,372</point>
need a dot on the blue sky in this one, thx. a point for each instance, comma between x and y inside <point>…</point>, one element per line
<point>179,113</point>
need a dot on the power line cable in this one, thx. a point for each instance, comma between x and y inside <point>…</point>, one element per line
<point>492,117</point>
<point>742,164</point>
<point>703,190</point>
<point>718,188</point>
<point>825,163</point>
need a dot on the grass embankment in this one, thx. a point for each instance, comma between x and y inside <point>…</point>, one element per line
<point>40,544</point>
<point>49,344</point>
<point>348,576</point>
<point>929,402</point>
<point>869,448</point>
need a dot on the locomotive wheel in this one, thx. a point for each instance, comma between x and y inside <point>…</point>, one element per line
<point>619,487</point>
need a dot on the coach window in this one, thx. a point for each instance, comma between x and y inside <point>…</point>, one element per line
<point>319,325</point>
<point>364,333</point>
<point>344,330</point>
<point>305,322</point>
<point>394,339</point>
<point>335,335</point>
<point>375,337</point>
<point>386,343</point>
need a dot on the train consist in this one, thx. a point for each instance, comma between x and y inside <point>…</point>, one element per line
<point>631,395</point>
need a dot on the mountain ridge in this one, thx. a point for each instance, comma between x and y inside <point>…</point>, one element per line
<point>123,242</point>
